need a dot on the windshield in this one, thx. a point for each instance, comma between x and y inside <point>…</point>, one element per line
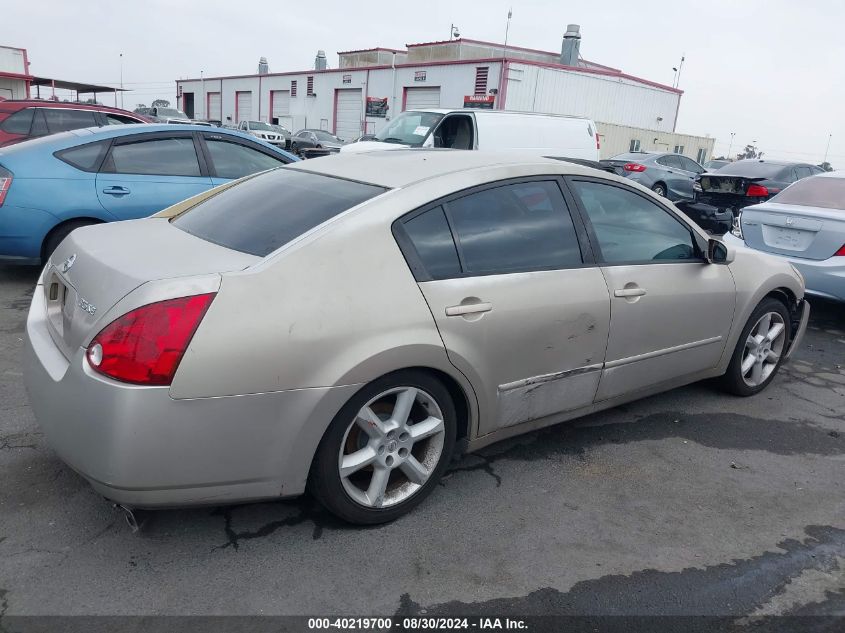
<point>171,112</point>
<point>410,128</point>
<point>827,192</point>
<point>753,169</point>
<point>253,218</point>
<point>259,125</point>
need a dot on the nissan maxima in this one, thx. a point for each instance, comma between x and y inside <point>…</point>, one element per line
<point>347,325</point>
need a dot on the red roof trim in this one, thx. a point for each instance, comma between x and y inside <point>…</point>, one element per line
<point>487,60</point>
<point>6,75</point>
<point>368,50</point>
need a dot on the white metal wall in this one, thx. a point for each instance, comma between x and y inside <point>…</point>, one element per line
<point>13,88</point>
<point>600,97</point>
<point>12,61</point>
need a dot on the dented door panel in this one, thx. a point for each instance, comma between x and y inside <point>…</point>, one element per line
<point>533,343</point>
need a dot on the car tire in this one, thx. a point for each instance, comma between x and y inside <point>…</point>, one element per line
<point>58,234</point>
<point>758,355</point>
<point>374,487</point>
<point>659,189</point>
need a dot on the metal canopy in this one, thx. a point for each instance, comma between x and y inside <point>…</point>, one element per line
<point>80,88</point>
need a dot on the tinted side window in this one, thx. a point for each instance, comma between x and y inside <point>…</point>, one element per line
<point>689,165</point>
<point>631,228</point>
<point>802,172</point>
<point>18,122</point>
<point>670,161</point>
<point>233,160</point>
<point>429,233</point>
<point>117,119</point>
<point>62,120</point>
<point>261,214</point>
<point>512,228</point>
<point>163,157</point>
<point>85,157</point>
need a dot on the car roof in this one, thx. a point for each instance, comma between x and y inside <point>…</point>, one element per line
<point>781,163</point>
<point>44,103</point>
<point>402,167</point>
<point>80,136</point>
<point>497,112</point>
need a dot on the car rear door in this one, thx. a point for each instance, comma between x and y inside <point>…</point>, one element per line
<point>228,157</point>
<point>671,311</point>
<point>145,173</point>
<point>522,310</point>
<point>674,177</point>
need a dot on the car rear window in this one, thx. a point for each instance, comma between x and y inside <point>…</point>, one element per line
<point>752,168</point>
<point>265,212</point>
<point>825,192</point>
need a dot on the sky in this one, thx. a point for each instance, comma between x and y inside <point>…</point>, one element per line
<point>770,71</point>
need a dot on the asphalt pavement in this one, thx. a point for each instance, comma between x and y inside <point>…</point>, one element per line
<point>690,502</point>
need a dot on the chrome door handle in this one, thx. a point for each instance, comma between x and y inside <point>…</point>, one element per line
<point>468,308</point>
<point>629,292</point>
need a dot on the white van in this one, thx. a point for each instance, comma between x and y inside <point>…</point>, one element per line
<point>565,136</point>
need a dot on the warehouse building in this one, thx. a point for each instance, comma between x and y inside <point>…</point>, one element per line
<point>369,86</point>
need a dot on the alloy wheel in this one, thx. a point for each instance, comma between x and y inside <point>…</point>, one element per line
<point>763,349</point>
<point>392,447</point>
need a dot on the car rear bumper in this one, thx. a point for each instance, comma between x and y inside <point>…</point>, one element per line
<point>823,278</point>
<point>142,448</point>
<point>22,231</point>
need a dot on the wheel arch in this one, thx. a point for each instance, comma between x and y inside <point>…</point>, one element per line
<point>88,219</point>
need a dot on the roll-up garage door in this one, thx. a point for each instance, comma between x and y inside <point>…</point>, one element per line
<point>243,106</point>
<point>347,123</point>
<point>214,109</point>
<point>281,109</point>
<point>422,98</point>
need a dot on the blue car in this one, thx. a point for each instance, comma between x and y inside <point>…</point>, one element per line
<point>52,185</point>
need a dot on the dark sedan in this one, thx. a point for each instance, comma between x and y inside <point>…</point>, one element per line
<point>310,143</point>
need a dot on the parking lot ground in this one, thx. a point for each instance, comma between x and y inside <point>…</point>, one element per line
<point>690,502</point>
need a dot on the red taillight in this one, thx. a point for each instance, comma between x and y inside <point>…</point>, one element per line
<point>145,346</point>
<point>633,167</point>
<point>5,183</point>
<point>598,141</point>
<point>840,252</point>
<point>757,191</point>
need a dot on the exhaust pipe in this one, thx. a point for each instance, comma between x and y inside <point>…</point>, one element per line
<point>135,517</point>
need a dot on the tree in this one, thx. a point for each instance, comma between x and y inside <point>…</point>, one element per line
<point>161,103</point>
<point>750,152</point>
<point>141,105</point>
<point>826,166</point>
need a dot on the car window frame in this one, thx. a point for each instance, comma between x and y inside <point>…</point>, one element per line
<point>200,138</point>
<point>95,169</point>
<point>418,268</point>
<point>697,240</point>
<point>44,109</point>
<point>139,137</point>
<point>697,169</point>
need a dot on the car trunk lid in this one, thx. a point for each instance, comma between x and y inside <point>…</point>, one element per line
<point>730,192</point>
<point>806,232</point>
<point>617,166</point>
<point>96,266</point>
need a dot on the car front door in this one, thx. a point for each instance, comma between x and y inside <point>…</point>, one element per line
<point>521,311</point>
<point>145,173</point>
<point>671,311</point>
<point>691,169</point>
<point>228,158</point>
<point>674,176</point>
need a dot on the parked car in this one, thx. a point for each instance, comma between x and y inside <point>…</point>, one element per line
<point>264,131</point>
<point>666,173</point>
<point>310,143</point>
<point>805,225</point>
<point>145,111</point>
<point>21,120</point>
<point>487,129</point>
<point>168,115</point>
<point>286,133</point>
<point>749,181</point>
<point>366,337</point>
<point>717,163</point>
<point>52,185</point>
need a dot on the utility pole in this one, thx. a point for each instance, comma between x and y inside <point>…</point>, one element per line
<point>121,80</point>
<point>507,28</point>
<point>731,145</point>
<point>827,149</point>
<point>678,75</point>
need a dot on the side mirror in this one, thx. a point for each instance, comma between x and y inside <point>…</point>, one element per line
<point>719,253</point>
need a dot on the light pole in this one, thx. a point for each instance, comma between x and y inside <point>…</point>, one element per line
<point>507,28</point>
<point>826,149</point>
<point>204,101</point>
<point>453,32</point>
<point>121,80</point>
<point>731,144</point>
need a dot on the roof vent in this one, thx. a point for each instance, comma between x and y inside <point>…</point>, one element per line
<point>571,45</point>
<point>320,61</point>
<point>263,67</point>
